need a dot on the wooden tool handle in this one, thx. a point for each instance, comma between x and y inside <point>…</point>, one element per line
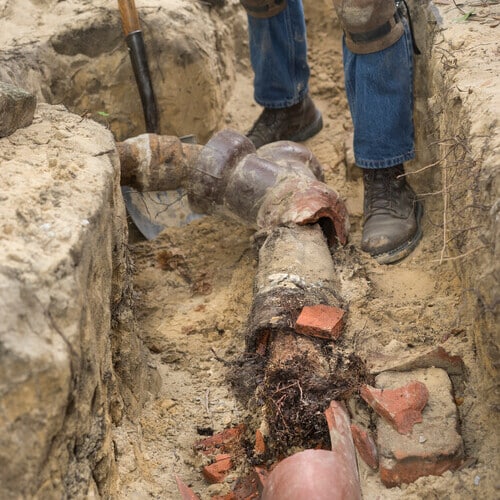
<point>130,18</point>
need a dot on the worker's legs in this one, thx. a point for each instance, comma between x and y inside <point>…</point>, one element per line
<point>278,52</point>
<point>379,88</point>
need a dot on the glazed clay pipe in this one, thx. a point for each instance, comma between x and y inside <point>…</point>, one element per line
<point>319,474</point>
<point>277,185</point>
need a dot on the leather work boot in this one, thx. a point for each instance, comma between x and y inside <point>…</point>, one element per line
<point>296,123</point>
<point>391,228</point>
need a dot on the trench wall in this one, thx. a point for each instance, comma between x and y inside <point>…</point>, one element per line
<point>72,365</point>
<point>458,163</point>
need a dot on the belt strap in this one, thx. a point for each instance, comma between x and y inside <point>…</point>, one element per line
<point>375,34</point>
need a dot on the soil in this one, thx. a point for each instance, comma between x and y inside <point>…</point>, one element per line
<point>194,291</point>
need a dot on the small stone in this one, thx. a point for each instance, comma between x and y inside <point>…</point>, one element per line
<point>17,108</point>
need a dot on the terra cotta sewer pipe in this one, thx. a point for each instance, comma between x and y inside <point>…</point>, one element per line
<point>276,185</point>
<point>277,189</point>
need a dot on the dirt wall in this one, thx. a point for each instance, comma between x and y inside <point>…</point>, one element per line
<point>75,53</point>
<point>459,157</point>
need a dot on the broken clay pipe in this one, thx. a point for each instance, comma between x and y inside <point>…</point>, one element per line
<point>151,162</point>
<point>295,269</point>
<point>277,185</point>
<point>319,474</point>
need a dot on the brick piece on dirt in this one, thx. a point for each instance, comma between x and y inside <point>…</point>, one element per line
<point>17,108</point>
<point>434,446</point>
<point>320,321</point>
<point>365,445</point>
<point>260,443</point>
<point>185,491</point>
<point>216,472</point>
<point>396,356</point>
<point>401,407</point>
<point>222,442</point>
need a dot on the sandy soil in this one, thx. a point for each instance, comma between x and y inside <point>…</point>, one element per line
<point>194,290</point>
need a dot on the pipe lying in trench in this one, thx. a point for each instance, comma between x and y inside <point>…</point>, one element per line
<point>319,474</point>
<point>277,189</point>
<point>274,186</point>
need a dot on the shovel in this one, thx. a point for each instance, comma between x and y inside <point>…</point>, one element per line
<point>150,212</point>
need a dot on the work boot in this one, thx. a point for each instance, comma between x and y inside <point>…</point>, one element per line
<point>391,227</point>
<point>295,123</point>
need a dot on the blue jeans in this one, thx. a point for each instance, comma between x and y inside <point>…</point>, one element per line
<point>379,86</point>
<point>278,52</point>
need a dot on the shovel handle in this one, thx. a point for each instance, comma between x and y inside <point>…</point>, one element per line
<point>130,18</point>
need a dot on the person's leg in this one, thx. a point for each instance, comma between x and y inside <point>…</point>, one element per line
<point>278,53</point>
<point>379,88</point>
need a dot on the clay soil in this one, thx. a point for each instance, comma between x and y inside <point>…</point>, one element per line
<point>193,286</point>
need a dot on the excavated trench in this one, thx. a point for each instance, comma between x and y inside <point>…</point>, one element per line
<point>120,355</point>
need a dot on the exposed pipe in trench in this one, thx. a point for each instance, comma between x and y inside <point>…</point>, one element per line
<point>278,190</point>
<point>277,185</point>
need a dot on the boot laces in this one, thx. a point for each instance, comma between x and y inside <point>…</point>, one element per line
<point>384,192</point>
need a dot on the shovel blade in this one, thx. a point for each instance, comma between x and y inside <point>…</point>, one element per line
<point>153,211</point>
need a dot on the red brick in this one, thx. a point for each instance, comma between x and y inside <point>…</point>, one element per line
<point>185,491</point>
<point>320,321</point>
<point>222,442</point>
<point>260,444</point>
<point>216,472</point>
<point>365,445</point>
<point>401,407</point>
<point>434,446</point>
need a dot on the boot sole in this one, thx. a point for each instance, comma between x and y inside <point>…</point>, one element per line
<point>404,250</point>
<point>309,131</point>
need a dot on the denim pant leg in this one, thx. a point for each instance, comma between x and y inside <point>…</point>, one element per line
<point>278,52</point>
<point>379,89</point>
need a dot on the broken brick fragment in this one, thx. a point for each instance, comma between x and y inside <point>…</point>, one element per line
<point>222,442</point>
<point>397,356</point>
<point>434,446</point>
<point>185,491</point>
<point>260,444</point>
<point>217,471</point>
<point>320,321</point>
<point>401,407</point>
<point>365,445</point>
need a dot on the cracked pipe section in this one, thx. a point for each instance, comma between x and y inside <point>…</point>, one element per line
<point>319,474</point>
<point>279,184</point>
